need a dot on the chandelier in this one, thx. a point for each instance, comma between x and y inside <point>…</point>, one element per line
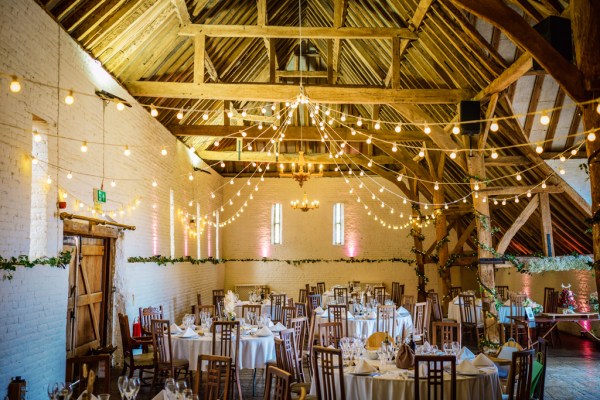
<point>304,205</point>
<point>303,173</point>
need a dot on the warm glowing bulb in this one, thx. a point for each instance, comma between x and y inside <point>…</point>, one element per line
<point>153,111</point>
<point>263,110</point>
<point>205,116</point>
<point>562,158</point>
<point>539,149</point>
<point>394,148</point>
<point>544,119</point>
<point>222,164</point>
<point>127,152</point>
<point>230,114</point>
<point>69,175</point>
<point>69,99</point>
<point>456,130</point>
<point>84,147</point>
<point>561,171</point>
<point>37,137</point>
<point>369,140</point>
<point>436,186</point>
<point>120,106</point>
<point>370,164</point>
<point>378,125</point>
<point>529,193</point>
<point>421,153</point>
<point>494,154</point>
<point>343,117</point>
<point>180,114</point>
<point>49,180</point>
<point>113,183</point>
<point>476,186</point>
<point>34,160</point>
<point>154,184</point>
<point>191,176</point>
<point>453,154</point>
<point>359,121</point>
<point>427,130</point>
<point>516,199</point>
<point>163,152</point>
<point>260,125</point>
<point>244,113</point>
<point>544,185</point>
<point>591,136</point>
<point>494,126</point>
<point>574,152</point>
<point>398,128</point>
<point>519,177</point>
<point>15,85</point>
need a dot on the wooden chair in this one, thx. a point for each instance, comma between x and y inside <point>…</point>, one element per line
<point>227,344</point>
<point>281,389</point>
<point>301,309</point>
<point>386,320</point>
<point>203,308</point>
<point>320,287</point>
<point>502,291</point>
<point>287,313</point>
<point>329,378</point>
<point>219,303</point>
<point>339,313</point>
<point>131,362</point>
<point>519,377</point>
<point>265,291</point>
<point>314,301</point>
<point>302,296</point>
<point>408,302</point>
<point>374,341</point>
<point>541,351</point>
<point>435,377</point>
<point>330,334</point>
<point>517,331</point>
<point>278,301</point>
<point>288,359</point>
<point>436,307</point>
<point>147,315</point>
<point>379,294</point>
<point>79,368</point>
<point>455,291</point>
<point>421,318</point>
<point>253,308</point>
<point>300,327</point>
<point>199,299</point>
<point>164,364</point>
<point>218,375</point>
<point>448,332</point>
<point>218,292</point>
<point>308,353</point>
<point>397,292</point>
<point>340,295</point>
<point>469,317</point>
<point>548,303</point>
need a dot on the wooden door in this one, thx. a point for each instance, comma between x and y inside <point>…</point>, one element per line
<point>88,284</point>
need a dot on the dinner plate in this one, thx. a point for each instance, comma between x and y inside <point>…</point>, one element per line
<point>469,373</point>
<point>364,373</point>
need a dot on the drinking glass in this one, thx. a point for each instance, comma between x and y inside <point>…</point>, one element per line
<point>133,388</point>
<point>455,348</point>
<point>122,384</point>
<point>170,388</point>
<point>187,394</point>
<point>52,390</point>
<point>64,391</point>
<point>181,386</point>
<point>104,396</point>
<point>447,348</point>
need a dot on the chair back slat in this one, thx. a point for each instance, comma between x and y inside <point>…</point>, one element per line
<point>287,313</point>
<point>379,294</point>
<point>280,390</point>
<point>339,313</point>
<point>218,376</point>
<point>219,303</point>
<point>253,308</point>
<point>278,301</point>
<point>302,296</point>
<point>301,309</point>
<point>550,304</point>
<point>468,311</point>
<point>340,295</point>
<point>330,334</point>
<point>320,287</point>
<point>421,319</point>
<point>210,309</point>
<point>198,298</point>
<point>300,327</point>
<point>161,340</point>
<point>502,291</point>
<point>455,291</point>
<point>226,339</point>
<point>408,302</point>
<point>328,373</point>
<point>519,377</point>
<point>435,377</point>
<point>314,301</point>
<point>436,307</point>
<point>147,314</point>
<point>386,319</point>
<point>291,362</point>
<point>446,332</point>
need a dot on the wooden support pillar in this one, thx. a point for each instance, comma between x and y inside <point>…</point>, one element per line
<point>226,105</point>
<point>272,61</point>
<point>586,38</point>
<point>418,243</point>
<point>546,225</point>
<point>440,233</point>
<point>396,54</point>
<point>330,62</point>
<point>199,60</point>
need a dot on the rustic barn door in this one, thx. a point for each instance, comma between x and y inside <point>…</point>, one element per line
<point>88,291</point>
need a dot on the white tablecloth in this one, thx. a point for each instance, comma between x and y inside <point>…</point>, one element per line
<point>396,384</point>
<point>454,310</point>
<point>254,351</point>
<point>359,326</point>
<point>266,308</point>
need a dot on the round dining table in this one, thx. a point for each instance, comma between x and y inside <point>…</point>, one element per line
<point>254,352</point>
<point>362,326</point>
<point>399,384</point>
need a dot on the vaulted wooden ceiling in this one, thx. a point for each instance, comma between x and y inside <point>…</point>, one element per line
<point>440,54</point>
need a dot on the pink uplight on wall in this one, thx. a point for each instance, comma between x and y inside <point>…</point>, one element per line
<point>350,250</point>
<point>185,242</point>
<point>265,250</point>
<point>154,236</point>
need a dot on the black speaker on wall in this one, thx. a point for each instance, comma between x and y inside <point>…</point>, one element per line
<point>557,32</point>
<point>470,111</point>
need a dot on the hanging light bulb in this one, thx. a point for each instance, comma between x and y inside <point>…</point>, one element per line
<point>120,106</point>
<point>327,112</point>
<point>591,136</point>
<point>436,186</point>
<point>539,149</point>
<point>180,114</point>
<point>84,147</point>
<point>153,111</point>
<point>113,183</point>
<point>244,113</point>
<point>377,125</point>
<point>544,185</point>
<point>495,202</point>
<point>422,153</point>
<point>394,147</point>
<point>359,121</point>
<point>519,177</point>
<point>427,130</point>
<point>529,193</point>
<point>561,171</point>
<point>343,118</point>
<point>127,152</point>
<point>504,202</point>
<point>476,186</point>
<point>191,149</point>
<point>34,160</point>
<point>544,119</point>
<point>230,114</point>
<point>249,147</point>
<point>453,154</point>
<point>37,137</point>
<point>222,164</point>
<point>212,195</point>
<point>574,152</point>
<point>163,151</point>
<point>260,125</point>
<point>494,126</point>
<point>484,199</point>
<point>456,129</point>
<point>398,128</point>
<point>352,132</point>
<point>369,140</point>
<point>49,180</point>
<point>562,158</point>
<point>69,99</point>
<point>216,143</point>
<point>370,164</point>
<point>69,175</point>
<point>15,85</point>
<point>154,184</point>
<point>516,199</point>
<point>494,154</point>
<point>399,178</point>
<point>263,110</point>
<point>191,176</point>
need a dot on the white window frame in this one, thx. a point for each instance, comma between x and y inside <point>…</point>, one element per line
<point>338,224</point>
<point>276,224</point>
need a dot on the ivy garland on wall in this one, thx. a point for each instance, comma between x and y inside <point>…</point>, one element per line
<point>160,260</point>
<point>9,265</point>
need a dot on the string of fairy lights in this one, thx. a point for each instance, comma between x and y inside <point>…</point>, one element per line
<point>326,119</point>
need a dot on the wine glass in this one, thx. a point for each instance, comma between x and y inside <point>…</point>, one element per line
<point>447,348</point>
<point>122,384</point>
<point>187,394</point>
<point>64,391</point>
<point>170,388</point>
<point>133,388</point>
<point>52,390</point>
<point>181,386</point>
<point>455,348</point>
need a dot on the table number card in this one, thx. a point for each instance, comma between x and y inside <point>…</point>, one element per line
<point>529,313</point>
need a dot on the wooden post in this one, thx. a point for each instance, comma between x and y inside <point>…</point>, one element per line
<point>546,225</point>
<point>226,105</point>
<point>586,37</point>
<point>272,61</point>
<point>396,54</point>
<point>330,62</point>
<point>200,44</point>
<point>440,232</point>
<point>416,233</point>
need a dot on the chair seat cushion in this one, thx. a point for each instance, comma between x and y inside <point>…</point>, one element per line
<point>143,359</point>
<point>180,363</point>
<point>296,387</point>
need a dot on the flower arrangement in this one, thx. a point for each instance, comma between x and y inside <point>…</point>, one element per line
<point>229,303</point>
<point>594,301</point>
<point>566,299</point>
<point>535,307</point>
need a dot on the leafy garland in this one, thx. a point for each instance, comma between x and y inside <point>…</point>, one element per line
<point>9,265</point>
<point>564,263</point>
<point>160,260</point>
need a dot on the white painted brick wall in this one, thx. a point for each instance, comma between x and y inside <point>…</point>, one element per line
<point>33,305</point>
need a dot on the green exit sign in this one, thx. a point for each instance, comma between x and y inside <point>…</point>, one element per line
<point>99,196</point>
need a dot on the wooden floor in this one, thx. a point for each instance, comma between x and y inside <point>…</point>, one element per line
<point>573,373</point>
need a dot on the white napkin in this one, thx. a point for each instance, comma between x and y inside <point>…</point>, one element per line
<point>319,310</point>
<point>189,333</point>
<point>427,347</point>
<point>456,300</point>
<point>264,331</point>
<point>266,302</point>
<point>506,352</point>
<point>465,354</point>
<point>174,328</point>
<point>402,310</point>
<point>270,324</point>
<point>349,315</point>
<point>482,361</point>
<point>466,368</point>
<point>160,396</point>
<point>364,367</point>
<point>278,328</point>
<point>371,315</point>
<point>325,314</point>
<point>507,302</point>
<point>91,397</point>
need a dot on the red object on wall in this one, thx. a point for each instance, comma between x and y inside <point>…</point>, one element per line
<point>62,205</point>
<point>137,328</point>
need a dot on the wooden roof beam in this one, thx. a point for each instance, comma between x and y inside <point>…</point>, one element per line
<point>182,12</point>
<point>284,92</point>
<point>519,222</point>
<point>339,15</point>
<point>263,157</point>
<point>523,35</point>
<point>519,190</point>
<point>293,32</point>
